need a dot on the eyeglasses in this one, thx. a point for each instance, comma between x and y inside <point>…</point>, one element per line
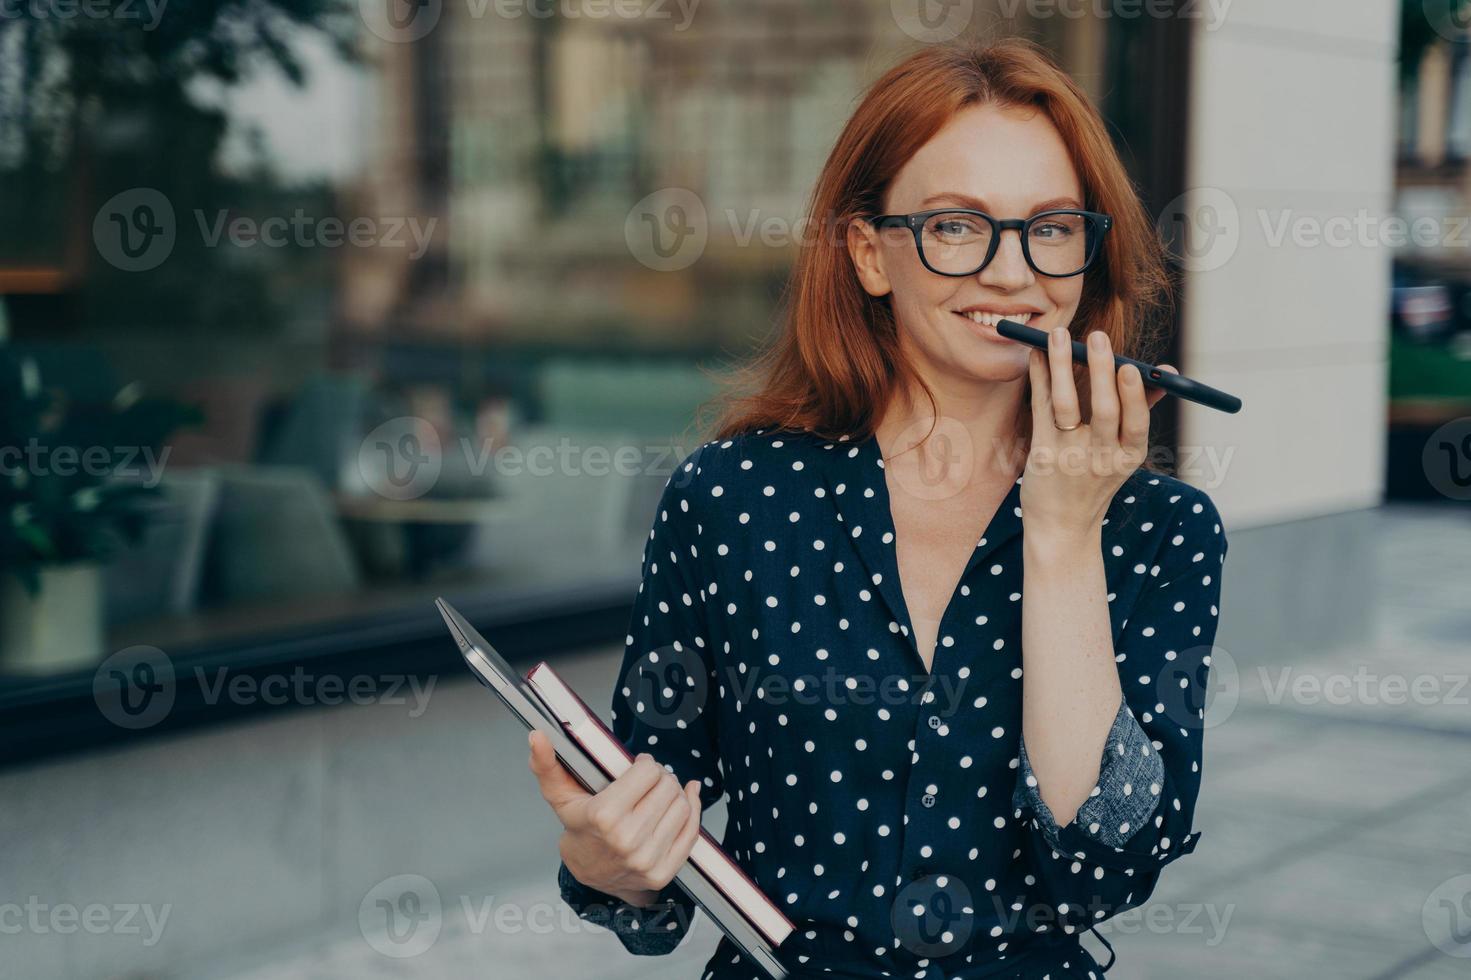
<point>961,242</point>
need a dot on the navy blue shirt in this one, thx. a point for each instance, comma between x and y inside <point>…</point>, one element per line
<point>889,810</point>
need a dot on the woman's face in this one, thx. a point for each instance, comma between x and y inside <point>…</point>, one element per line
<point>1009,162</point>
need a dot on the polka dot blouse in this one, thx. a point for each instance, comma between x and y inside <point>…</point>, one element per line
<point>890,810</point>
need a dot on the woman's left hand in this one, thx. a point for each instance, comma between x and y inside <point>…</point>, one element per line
<point>1072,475</point>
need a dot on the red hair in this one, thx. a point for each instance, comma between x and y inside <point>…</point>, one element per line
<point>838,362</point>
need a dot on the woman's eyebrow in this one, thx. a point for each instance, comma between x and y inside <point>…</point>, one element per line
<point>979,204</point>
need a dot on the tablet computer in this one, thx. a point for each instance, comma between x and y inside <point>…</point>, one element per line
<point>492,670</point>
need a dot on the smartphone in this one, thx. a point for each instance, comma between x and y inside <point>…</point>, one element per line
<point>1175,384</point>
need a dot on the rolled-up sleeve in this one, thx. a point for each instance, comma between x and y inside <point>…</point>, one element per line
<point>1140,815</point>
<point>663,702</point>
<point>651,930</point>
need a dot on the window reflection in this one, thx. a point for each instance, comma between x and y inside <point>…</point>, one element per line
<point>415,314</point>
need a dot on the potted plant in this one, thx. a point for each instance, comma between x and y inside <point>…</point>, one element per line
<point>68,499</point>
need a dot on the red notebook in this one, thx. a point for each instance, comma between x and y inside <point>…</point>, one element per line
<point>602,746</point>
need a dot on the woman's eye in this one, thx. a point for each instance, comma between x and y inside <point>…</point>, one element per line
<point>1051,231</point>
<point>955,228</point>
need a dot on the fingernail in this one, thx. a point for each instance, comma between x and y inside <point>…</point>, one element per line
<point>1059,334</point>
<point>529,741</point>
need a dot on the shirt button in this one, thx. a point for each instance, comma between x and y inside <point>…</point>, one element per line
<point>928,799</point>
<point>934,721</point>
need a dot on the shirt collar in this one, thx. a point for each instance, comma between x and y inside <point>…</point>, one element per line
<point>853,475</point>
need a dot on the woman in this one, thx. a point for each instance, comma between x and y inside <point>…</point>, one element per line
<point>917,611</point>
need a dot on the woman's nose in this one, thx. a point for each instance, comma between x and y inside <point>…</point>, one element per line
<point>1008,269</point>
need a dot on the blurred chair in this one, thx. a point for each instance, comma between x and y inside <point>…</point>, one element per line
<point>322,428</point>
<point>277,536</point>
<point>161,574</point>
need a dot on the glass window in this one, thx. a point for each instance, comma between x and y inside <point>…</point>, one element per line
<point>335,309</point>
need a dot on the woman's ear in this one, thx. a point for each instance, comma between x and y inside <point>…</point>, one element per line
<point>868,259</point>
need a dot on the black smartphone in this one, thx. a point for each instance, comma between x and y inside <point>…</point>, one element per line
<point>1175,384</point>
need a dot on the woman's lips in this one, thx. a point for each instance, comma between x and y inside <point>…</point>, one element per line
<point>986,331</point>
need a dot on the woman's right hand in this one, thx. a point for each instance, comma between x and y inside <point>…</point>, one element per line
<point>630,838</point>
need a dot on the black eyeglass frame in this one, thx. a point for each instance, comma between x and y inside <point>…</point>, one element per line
<point>915,223</point>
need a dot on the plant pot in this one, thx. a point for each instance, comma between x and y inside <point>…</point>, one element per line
<point>59,628</point>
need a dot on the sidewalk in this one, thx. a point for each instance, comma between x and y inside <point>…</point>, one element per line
<point>1330,816</point>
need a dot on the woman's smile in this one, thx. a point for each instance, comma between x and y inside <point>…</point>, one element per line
<point>982,320</point>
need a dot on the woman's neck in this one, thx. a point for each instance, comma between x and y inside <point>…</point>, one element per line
<point>975,419</point>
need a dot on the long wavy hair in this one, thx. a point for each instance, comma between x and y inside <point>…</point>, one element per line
<point>836,362</point>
